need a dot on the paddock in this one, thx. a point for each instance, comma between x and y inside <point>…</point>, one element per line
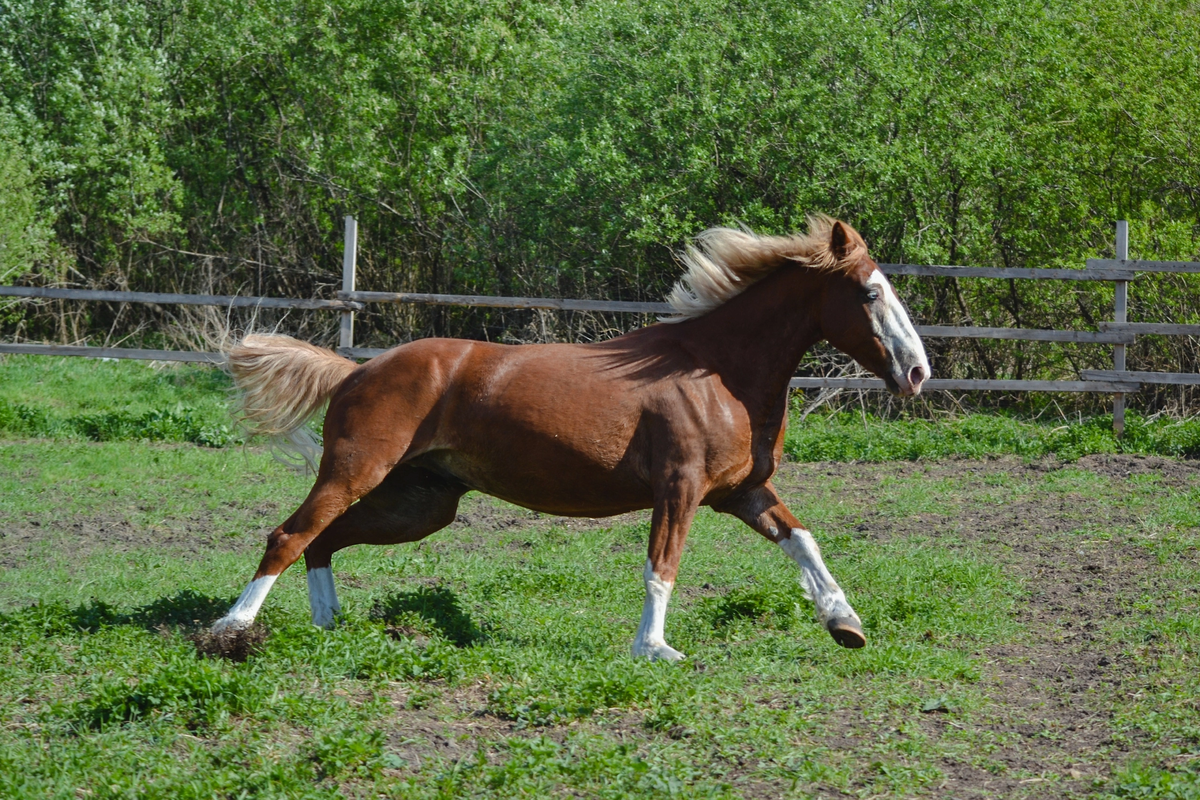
<point>1032,633</point>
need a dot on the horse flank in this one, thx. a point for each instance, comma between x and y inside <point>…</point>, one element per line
<point>724,262</point>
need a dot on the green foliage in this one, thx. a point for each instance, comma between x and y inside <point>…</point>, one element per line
<point>761,605</point>
<point>114,401</point>
<point>196,691</point>
<point>531,147</point>
<point>1144,782</point>
<point>579,690</point>
<point>350,751</point>
<point>437,606</point>
<point>363,651</point>
<point>25,222</point>
<point>179,424</point>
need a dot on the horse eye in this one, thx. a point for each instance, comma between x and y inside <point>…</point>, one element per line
<point>872,295</point>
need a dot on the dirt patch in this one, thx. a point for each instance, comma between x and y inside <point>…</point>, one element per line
<point>1080,571</point>
<point>236,645</point>
<point>486,514</point>
<point>459,725</point>
<point>82,535</point>
<point>1169,472</point>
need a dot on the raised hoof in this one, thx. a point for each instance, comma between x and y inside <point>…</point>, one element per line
<point>846,632</point>
<point>658,652</point>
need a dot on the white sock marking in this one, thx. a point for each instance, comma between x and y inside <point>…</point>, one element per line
<point>818,584</point>
<point>322,597</point>
<point>246,608</point>
<point>650,641</point>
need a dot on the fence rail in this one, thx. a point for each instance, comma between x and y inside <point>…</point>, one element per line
<point>161,298</point>
<point>112,352</point>
<point>1119,333</point>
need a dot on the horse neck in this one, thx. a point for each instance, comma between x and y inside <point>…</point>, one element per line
<point>756,339</point>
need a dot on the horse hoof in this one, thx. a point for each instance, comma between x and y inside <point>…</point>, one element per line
<point>660,652</point>
<point>226,625</point>
<point>847,632</point>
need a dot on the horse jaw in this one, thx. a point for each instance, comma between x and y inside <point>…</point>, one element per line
<point>907,363</point>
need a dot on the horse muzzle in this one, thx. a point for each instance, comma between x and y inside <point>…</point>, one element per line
<point>907,383</point>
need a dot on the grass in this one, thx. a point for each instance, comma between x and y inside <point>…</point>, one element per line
<point>532,632</point>
<point>852,437</point>
<point>491,660</point>
<point>106,401</point>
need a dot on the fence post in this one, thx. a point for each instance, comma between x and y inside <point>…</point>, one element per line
<point>1120,307</point>
<point>349,259</point>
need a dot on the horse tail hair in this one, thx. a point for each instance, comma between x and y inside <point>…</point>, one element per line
<point>281,384</point>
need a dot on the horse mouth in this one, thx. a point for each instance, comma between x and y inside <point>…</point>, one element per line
<point>906,389</point>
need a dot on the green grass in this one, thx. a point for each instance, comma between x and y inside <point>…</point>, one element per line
<point>493,661</point>
<point>109,401</point>
<point>852,437</point>
<point>532,632</point>
<point>510,646</point>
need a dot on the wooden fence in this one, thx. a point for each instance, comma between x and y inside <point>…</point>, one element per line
<point>1119,333</point>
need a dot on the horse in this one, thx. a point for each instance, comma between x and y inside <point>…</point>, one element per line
<point>684,413</point>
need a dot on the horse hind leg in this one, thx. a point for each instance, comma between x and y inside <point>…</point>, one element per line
<point>340,482</point>
<point>407,506</point>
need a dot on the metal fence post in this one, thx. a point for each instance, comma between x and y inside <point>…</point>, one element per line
<point>1120,308</point>
<point>349,260</point>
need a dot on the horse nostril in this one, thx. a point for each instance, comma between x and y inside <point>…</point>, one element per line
<point>916,375</point>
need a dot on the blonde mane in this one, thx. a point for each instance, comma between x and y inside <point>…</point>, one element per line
<point>724,262</point>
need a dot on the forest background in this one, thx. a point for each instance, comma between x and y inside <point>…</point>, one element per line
<point>568,149</point>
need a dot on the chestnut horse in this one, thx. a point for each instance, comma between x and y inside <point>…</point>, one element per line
<point>669,417</point>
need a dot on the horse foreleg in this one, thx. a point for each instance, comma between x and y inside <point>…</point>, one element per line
<point>669,526</point>
<point>763,511</point>
<point>407,506</point>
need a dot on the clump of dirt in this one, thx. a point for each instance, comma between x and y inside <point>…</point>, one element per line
<point>235,646</point>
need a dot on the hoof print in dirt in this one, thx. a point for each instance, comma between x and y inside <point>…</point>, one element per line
<point>234,645</point>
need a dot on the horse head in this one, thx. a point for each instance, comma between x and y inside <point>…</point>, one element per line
<point>862,316</point>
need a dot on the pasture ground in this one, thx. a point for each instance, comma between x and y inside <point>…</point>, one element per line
<point>1032,625</point>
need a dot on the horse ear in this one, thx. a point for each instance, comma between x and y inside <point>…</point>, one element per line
<point>839,240</point>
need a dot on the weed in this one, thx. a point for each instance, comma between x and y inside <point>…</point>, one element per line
<point>349,752</point>
<point>767,606</point>
<point>198,692</point>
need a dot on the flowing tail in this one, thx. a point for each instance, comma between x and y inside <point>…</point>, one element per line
<point>281,383</point>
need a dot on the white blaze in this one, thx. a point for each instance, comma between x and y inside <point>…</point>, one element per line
<point>891,324</point>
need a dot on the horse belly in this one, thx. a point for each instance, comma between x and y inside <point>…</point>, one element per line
<point>554,483</point>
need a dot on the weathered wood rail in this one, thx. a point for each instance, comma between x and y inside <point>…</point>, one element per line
<point>1119,332</point>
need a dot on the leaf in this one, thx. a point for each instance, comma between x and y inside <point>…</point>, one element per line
<point>936,705</point>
